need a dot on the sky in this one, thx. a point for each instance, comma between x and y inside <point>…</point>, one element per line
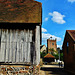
<point>57,17</point>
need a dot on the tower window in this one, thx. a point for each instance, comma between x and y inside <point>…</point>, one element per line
<point>52,43</point>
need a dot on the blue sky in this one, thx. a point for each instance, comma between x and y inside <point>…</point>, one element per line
<point>57,17</point>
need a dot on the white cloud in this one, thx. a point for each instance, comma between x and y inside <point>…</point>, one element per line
<point>46,19</point>
<point>57,17</point>
<point>47,36</point>
<point>71,1</point>
<point>44,30</point>
<point>59,46</point>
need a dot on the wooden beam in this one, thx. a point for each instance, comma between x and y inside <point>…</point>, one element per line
<point>37,44</point>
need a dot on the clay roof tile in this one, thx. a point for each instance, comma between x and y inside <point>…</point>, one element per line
<point>49,56</point>
<point>22,11</point>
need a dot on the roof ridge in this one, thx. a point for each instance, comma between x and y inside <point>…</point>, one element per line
<point>71,34</point>
<point>50,55</point>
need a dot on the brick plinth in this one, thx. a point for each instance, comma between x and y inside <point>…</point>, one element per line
<point>27,70</point>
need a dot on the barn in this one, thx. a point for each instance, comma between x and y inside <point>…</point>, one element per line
<point>20,31</point>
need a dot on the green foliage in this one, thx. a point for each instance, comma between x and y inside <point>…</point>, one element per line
<point>42,54</point>
<point>56,56</point>
<point>51,51</point>
<point>61,56</point>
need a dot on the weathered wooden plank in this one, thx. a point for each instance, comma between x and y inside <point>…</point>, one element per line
<point>7,45</point>
<point>3,46</point>
<point>24,52</point>
<point>0,39</point>
<point>24,43</point>
<point>20,52</point>
<point>0,45</point>
<point>28,38</point>
<point>16,35</point>
<point>37,38</point>
<point>22,40</point>
<point>27,41</point>
<point>14,46</point>
<point>31,53</point>
<point>11,50</point>
<point>24,35</point>
<point>28,45</point>
<point>8,42</point>
<point>30,35</point>
<point>27,35</point>
<point>38,44</point>
<point>25,49</point>
<point>34,53</point>
<point>2,52</point>
<point>28,59</point>
<point>18,47</point>
<point>3,35</point>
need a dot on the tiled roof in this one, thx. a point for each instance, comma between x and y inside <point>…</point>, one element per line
<point>72,33</point>
<point>20,11</point>
<point>49,56</point>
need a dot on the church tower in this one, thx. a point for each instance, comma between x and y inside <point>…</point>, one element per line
<point>51,44</point>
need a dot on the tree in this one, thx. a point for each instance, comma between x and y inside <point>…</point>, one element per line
<point>42,54</point>
<point>56,56</point>
<point>61,56</point>
<point>61,53</point>
<point>52,51</point>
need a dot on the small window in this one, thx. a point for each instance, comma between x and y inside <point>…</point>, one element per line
<point>67,47</point>
<point>52,43</point>
<point>67,44</point>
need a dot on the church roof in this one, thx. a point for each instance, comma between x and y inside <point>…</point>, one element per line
<point>72,34</point>
<point>49,56</point>
<point>20,11</point>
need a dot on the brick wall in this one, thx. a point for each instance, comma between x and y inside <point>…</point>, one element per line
<point>19,70</point>
<point>51,44</point>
